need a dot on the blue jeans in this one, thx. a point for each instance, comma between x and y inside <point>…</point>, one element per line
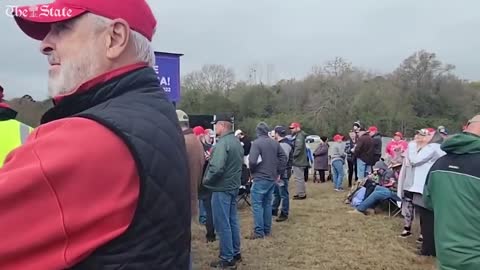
<point>202,213</point>
<point>280,193</point>
<point>262,191</point>
<point>337,166</point>
<point>362,169</point>
<point>379,194</point>
<point>225,218</point>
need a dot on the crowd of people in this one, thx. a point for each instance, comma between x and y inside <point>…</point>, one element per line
<point>112,177</point>
<point>403,173</point>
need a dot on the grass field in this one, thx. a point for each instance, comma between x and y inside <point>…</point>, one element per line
<point>320,234</point>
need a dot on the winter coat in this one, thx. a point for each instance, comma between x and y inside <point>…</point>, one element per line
<point>452,191</point>
<point>300,158</point>
<point>321,157</point>
<point>421,162</point>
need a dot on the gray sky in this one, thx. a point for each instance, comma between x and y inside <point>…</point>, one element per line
<point>282,41</point>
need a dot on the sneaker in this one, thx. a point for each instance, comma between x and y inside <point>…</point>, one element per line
<point>274,213</point>
<point>281,218</point>
<point>296,197</point>
<point>223,265</point>
<point>237,258</point>
<point>254,236</point>
<point>211,239</point>
<point>405,234</point>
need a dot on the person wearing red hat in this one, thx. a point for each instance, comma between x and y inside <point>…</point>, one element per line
<point>396,148</point>
<point>105,177</point>
<point>300,161</point>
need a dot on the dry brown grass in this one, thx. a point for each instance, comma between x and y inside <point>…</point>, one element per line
<point>321,235</point>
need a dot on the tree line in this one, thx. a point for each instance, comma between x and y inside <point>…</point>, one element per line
<point>421,92</point>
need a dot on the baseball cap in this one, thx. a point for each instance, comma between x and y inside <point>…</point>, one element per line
<point>295,125</point>
<point>399,134</point>
<point>423,132</point>
<point>35,20</point>
<point>443,130</point>
<point>281,130</point>
<point>238,132</point>
<point>182,116</point>
<point>198,130</point>
<point>337,138</point>
<point>223,117</point>
<point>373,129</point>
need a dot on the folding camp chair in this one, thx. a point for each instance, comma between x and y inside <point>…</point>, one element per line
<point>246,184</point>
<point>393,208</point>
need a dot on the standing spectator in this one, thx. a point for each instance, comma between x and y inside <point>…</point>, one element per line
<point>452,192</point>
<point>421,159</point>
<point>222,177</point>
<point>338,161</point>
<point>352,162</point>
<point>396,148</point>
<point>13,133</point>
<point>280,193</point>
<point>205,195</point>
<point>321,160</point>
<point>267,163</point>
<point>405,183</point>
<point>196,158</point>
<point>364,153</point>
<point>377,143</point>
<point>300,161</point>
<point>246,143</point>
<point>103,182</point>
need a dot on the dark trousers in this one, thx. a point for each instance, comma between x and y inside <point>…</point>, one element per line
<point>305,174</point>
<point>352,168</point>
<point>321,173</point>
<point>206,198</point>
<point>426,226</point>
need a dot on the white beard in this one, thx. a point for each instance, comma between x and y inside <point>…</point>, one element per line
<point>73,72</point>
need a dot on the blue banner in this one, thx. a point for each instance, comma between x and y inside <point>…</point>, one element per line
<point>167,67</point>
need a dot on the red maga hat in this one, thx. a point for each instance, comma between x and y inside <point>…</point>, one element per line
<point>35,20</point>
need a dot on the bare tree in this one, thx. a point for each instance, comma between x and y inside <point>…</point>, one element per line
<point>211,78</point>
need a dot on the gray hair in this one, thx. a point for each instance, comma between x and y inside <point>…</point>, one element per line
<point>143,47</point>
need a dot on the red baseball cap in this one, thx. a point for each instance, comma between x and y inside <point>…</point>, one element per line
<point>337,138</point>
<point>35,20</point>
<point>399,134</point>
<point>294,125</point>
<point>198,130</point>
<point>373,129</point>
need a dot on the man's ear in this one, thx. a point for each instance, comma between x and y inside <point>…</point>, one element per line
<point>117,38</point>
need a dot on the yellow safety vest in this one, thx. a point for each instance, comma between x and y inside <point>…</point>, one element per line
<point>12,135</point>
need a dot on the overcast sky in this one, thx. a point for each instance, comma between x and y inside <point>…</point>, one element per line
<point>283,39</point>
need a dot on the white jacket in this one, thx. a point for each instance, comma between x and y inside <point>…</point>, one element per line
<point>421,162</point>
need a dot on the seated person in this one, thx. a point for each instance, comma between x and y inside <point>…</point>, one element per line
<point>384,188</point>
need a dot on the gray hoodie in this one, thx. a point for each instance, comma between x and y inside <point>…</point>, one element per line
<point>273,158</point>
<point>338,152</point>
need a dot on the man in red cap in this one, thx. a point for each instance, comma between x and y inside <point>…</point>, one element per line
<point>103,182</point>
<point>300,161</point>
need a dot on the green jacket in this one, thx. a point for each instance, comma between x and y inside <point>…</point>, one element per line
<point>224,169</point>
<point>452,191</point>
<point>300,158</point>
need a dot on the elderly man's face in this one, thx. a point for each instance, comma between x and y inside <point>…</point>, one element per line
<point>74,50</point>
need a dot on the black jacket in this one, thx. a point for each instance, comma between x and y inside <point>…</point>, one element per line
<point>134,107</point>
